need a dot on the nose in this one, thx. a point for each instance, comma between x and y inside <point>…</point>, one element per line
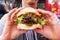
<point>32,1</point>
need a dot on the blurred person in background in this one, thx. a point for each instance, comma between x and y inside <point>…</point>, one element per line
<point>3,9</point>
<point>8,5</point>
<point>11,5</point>
<point>5,6</point>
<point>14,5</point>
<point>58,11</point>
<point>51,31</point>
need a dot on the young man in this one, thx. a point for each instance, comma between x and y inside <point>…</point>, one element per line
<point>10,31</point>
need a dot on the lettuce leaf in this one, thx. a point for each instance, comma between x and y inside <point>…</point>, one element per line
<point>19,19</point>
<point>42,21</point>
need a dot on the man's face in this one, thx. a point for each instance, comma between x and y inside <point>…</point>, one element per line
<point>31,0</point>
<point>32,3</point>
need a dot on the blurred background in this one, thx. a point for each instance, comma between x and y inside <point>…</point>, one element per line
<point>10,4</point>
<point>17,3</point>
<point>50,5</point>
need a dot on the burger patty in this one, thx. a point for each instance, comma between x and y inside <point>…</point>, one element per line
<point>29,18</point>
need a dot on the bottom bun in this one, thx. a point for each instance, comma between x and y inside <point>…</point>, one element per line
<point>25,27</point>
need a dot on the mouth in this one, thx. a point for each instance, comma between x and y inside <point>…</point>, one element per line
<point>31,3</point>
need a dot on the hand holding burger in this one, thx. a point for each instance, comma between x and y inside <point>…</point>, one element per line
<point>51,29</point>
<point>10,31</point>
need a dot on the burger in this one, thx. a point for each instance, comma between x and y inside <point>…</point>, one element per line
<point>28,17</point>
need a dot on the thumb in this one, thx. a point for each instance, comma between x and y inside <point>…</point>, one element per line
<point>46,32</point>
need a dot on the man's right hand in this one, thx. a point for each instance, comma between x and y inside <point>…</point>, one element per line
<point>10,30</point>
<point>51,29</point>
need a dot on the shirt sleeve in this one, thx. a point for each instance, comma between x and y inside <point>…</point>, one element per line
<point>56,18</point>
<point>2,23</point>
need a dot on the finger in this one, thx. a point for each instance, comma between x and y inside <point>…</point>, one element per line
<point>48,14</point>
<point>13,16</point>
<point>45,13</point>
<point>38,30</point>
<point>18,33</point>
<point>46,31</point>
<point>40,11</point>
<point>42,32</point>
<point>22,31</point>
<point>37,26</point>
<point>10,13</point>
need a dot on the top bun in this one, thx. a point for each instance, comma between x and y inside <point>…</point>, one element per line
<point>23,11</point>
